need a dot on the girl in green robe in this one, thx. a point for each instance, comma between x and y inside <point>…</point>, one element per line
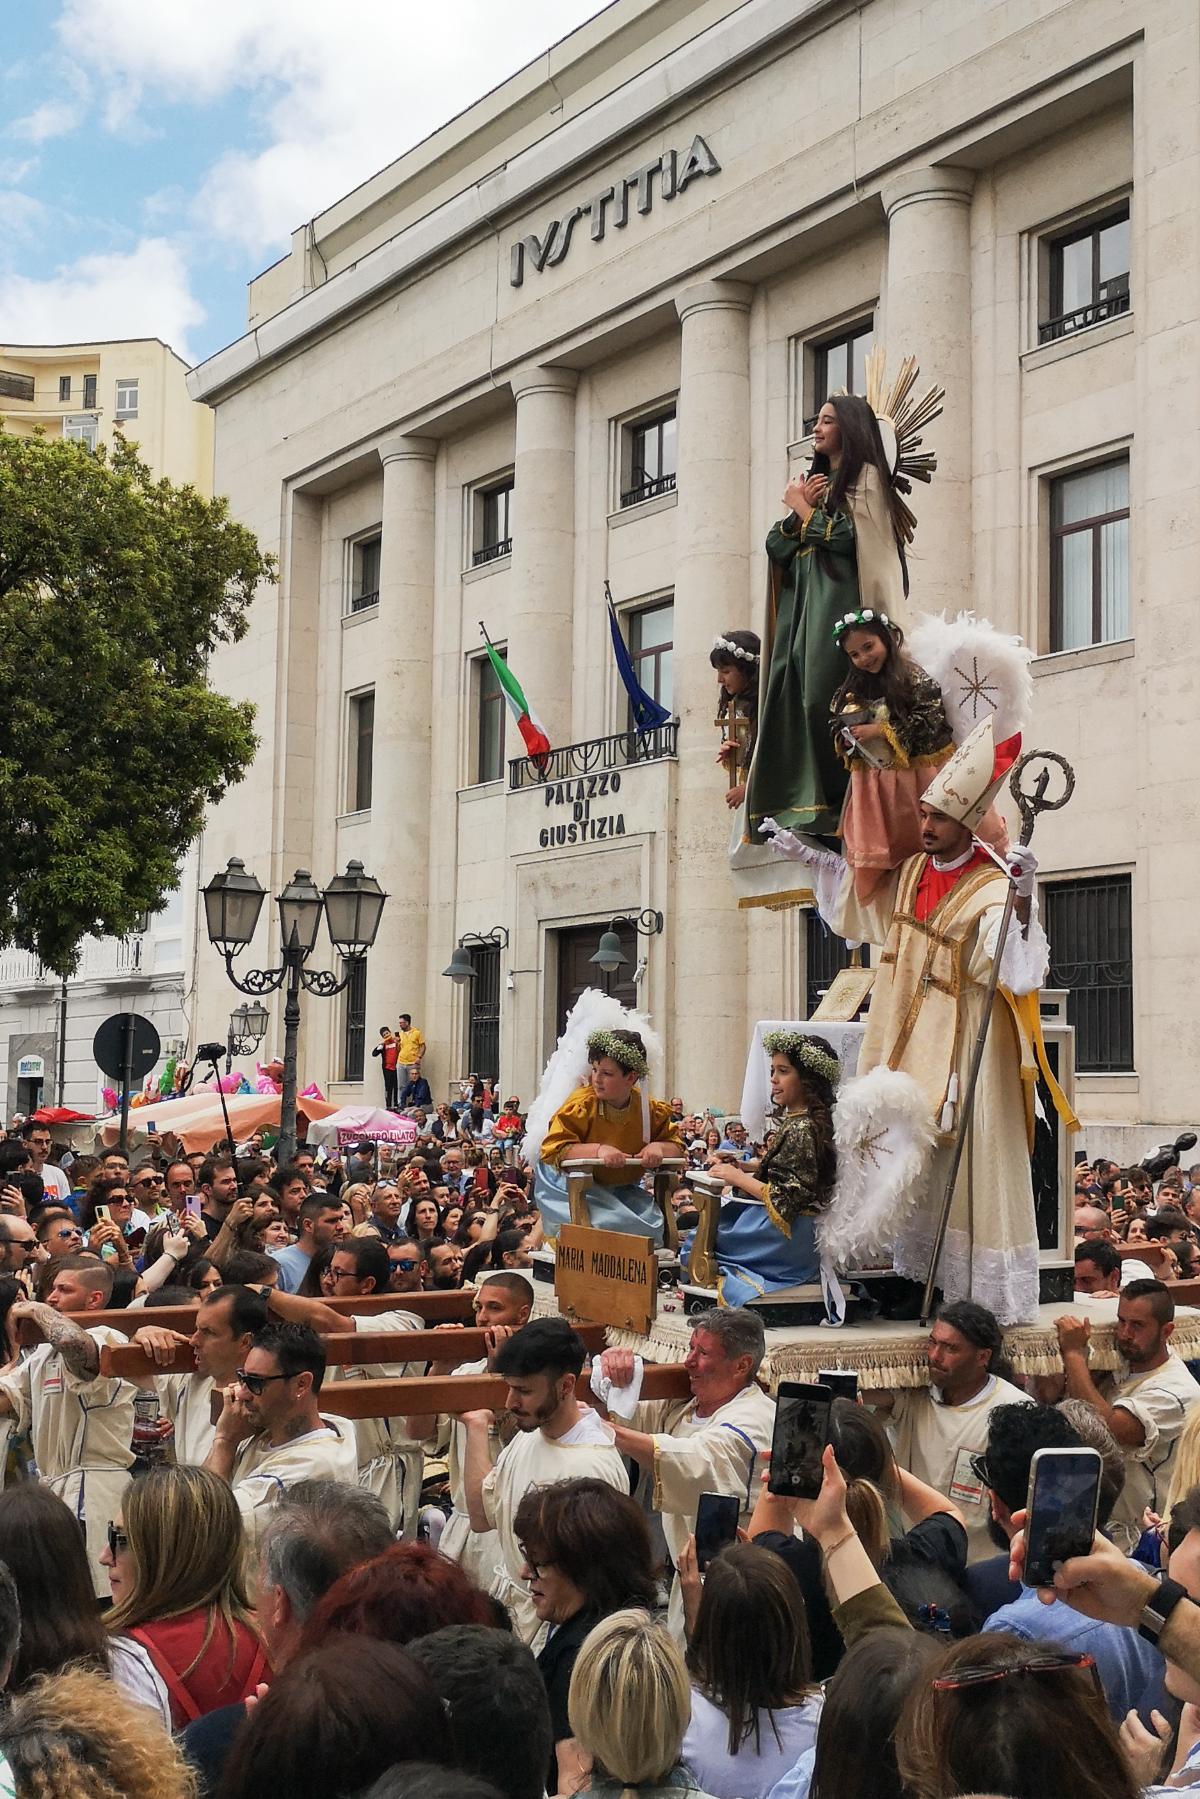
<point>837,550</point>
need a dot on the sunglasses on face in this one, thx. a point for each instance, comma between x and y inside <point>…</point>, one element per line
<point>254,1383</point>
<point>117,1540</point>
<point>406,1266</point>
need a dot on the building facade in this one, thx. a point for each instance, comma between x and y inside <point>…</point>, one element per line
<point>576,337</point>
<point>83,392</point>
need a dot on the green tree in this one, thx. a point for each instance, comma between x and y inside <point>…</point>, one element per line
<point>114,590</point>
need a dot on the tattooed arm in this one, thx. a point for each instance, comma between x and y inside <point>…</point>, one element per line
<point>80,1353</point>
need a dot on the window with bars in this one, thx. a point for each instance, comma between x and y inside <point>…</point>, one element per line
<point>483,1016</point>
<point>354,1023</point>
<point>1089,925</point>
<point>1088,276</point>
<point>489,720</point>
<point>362,741</point>
<point>493,524</point>
<point>364,572</point>
<point>649,458</point>
<point>825,955</point>
<point>650,632</point>
<point>839,362</point>
<point>1089,556</point>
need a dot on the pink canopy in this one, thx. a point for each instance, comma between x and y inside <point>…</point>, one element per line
<point>198,1121</point>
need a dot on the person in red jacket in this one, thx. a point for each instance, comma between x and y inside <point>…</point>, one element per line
<point>183,1635</point>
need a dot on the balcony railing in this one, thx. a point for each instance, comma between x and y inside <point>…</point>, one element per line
<point>597,756</point>
<point>491,552</point>
<point>360,601</point>
<point>647,490</point>
<point>21,968</point>
<point>1067,323</point>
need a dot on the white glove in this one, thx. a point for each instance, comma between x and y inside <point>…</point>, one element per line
<point>1022,865</point>
<point>794,849</point>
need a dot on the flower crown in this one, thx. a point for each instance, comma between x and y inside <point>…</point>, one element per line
<point>625,1055</point>
<point>865,617</point>
<point>802,1052</point>
<point>734,649</point>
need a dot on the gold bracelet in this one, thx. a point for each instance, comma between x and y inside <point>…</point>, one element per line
<point>851,1536</point>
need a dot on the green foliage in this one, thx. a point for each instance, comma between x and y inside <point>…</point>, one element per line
<point>114,590</point>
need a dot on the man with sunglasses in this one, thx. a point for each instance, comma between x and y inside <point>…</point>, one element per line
<point>79,1421</point>
<point>404,1266</point>
<point>386,1205</point>
<point>390,1464</point>
<point>58,1233</point>
<point>149,1190</point>
<point>271,1432</point>
<point>18,1246</point>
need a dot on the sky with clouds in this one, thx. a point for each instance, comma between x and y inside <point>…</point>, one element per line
<point>156,154</point>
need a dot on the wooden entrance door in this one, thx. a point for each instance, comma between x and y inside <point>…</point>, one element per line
<point>576,971</point>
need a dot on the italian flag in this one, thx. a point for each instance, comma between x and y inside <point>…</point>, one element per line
<point>537,744</point>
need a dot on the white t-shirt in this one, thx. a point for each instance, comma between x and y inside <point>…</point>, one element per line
<point>936,1441</point>
<point>747,1774</point>
<point>54,1180</point>
<point>1160,1399</point>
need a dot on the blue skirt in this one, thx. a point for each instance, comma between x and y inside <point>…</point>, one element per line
<point>754,1256</point>
<point>627,1208</point>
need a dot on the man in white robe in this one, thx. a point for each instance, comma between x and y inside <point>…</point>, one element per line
<point>226,1324</point>
<point>710,1443</point>
<point>79,1421</point>
<point>557,1439</point>
<point>271,1432</point>
<point>501,1306</point>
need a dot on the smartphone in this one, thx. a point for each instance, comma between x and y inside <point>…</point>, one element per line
<point>193,1205</point>
<point>801,1433</point>
<point>482,1184</point>
<point>103,1215</point>
<point>716,1526</point>
<point>842,1382</point>
<point>1064,1498</point>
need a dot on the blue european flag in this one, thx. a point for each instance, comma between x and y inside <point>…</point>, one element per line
<point>647,713</point>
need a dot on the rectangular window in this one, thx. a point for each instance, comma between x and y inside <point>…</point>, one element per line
<point>649,458</point>
<point>493,524</point>
<point>14,386</point>
<point>1089,556</point>
<point>89,390</point>
<point>1088,276</point>
<point>127,400</point>
<point>362,733</point>
<point>483,1019</point>
<point>364,573</point>
<point>1090,928</point>
<point>840,362</point>
<point>81,427</point>
<point>650,633</point>
<point>354,1023</point>
<point>489,721</point>
<point>64,387</point>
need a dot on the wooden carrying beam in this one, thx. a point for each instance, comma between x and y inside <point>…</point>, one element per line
<point>466,1393</point>
<point>342,1349</point>
<point>435,1308</point>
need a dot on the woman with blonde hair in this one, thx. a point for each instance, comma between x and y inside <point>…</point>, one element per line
<point>73,1736</point>
<point>629,1706</point>
<point>183,1637</point>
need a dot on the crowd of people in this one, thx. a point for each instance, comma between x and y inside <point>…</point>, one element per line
<point>211,1585</point>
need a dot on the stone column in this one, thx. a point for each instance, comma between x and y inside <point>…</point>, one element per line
<point>400,778</point>
<point>927,314</point>
<point>542,580</point>
<point>707,933</point>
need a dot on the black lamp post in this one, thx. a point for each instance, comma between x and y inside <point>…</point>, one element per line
<point>461,968</point>
<point>609,955</point>
<point>353,906</point>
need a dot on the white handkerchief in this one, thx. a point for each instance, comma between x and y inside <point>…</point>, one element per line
<point>622,1402</point>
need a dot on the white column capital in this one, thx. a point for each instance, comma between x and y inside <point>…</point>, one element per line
<point>713,296</point>
<point>915,186</point>
<point>535,379</point>
<point>408,449</point>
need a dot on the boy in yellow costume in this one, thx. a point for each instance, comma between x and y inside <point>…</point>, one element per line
<point>613,1119</point>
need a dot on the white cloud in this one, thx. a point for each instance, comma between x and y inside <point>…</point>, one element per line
<point>143,293</point>
<point>334,92</point>
<point>53,118</point>
<point>22,214</point>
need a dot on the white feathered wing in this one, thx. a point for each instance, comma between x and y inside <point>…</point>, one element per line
<point>568,1066</point>
<point>884,1134</point>
<point>982,672</point>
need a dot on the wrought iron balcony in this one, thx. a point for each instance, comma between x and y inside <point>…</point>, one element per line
<point>1067,323</point>
<point>648,490</point>
<point>491,552</point>
<point>361,601</point>
<point>599,755</point>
